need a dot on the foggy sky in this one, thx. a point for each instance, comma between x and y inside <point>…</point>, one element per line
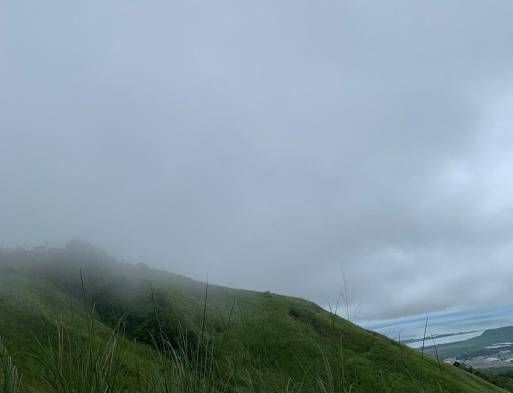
<point>272,145</point>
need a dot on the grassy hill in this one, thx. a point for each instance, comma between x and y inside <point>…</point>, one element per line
<point>76,320</point>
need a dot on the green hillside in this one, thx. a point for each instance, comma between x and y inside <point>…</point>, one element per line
<point>125,328</point>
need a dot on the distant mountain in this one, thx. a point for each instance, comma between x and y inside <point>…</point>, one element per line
<point>492,349</point>
<point>217,339</point>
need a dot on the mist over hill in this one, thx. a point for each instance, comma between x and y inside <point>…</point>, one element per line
<point>291,194</point>
<point>253,340</point>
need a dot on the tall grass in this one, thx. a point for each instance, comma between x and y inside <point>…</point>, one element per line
<point>332,379</point>
<point>89,362</point>
<point>186,367</point>
<point>92,359</point>
<point>176,370</point>
<point>9,373</point>
<point>83,363</point>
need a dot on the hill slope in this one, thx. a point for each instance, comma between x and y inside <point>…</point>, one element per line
<point>259,341</point>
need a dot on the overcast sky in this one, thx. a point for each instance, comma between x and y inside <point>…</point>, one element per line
<point>271,144</point>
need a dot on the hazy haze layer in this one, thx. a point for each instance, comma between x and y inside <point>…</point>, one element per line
<point>271,145</point>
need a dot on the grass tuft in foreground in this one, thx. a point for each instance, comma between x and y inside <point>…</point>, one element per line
<point>9,372</point>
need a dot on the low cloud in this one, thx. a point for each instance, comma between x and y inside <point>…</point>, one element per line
<point>270,146</point>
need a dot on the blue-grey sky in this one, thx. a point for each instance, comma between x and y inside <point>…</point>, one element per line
<point>269,144</point>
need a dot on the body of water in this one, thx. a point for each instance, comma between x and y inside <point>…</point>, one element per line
<point>471,322</point>
<point>444,340</point>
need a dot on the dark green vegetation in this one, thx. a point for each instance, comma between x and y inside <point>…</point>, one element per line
<point>76,320</point>
<point>476,346</point>
<point>503,379</point>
